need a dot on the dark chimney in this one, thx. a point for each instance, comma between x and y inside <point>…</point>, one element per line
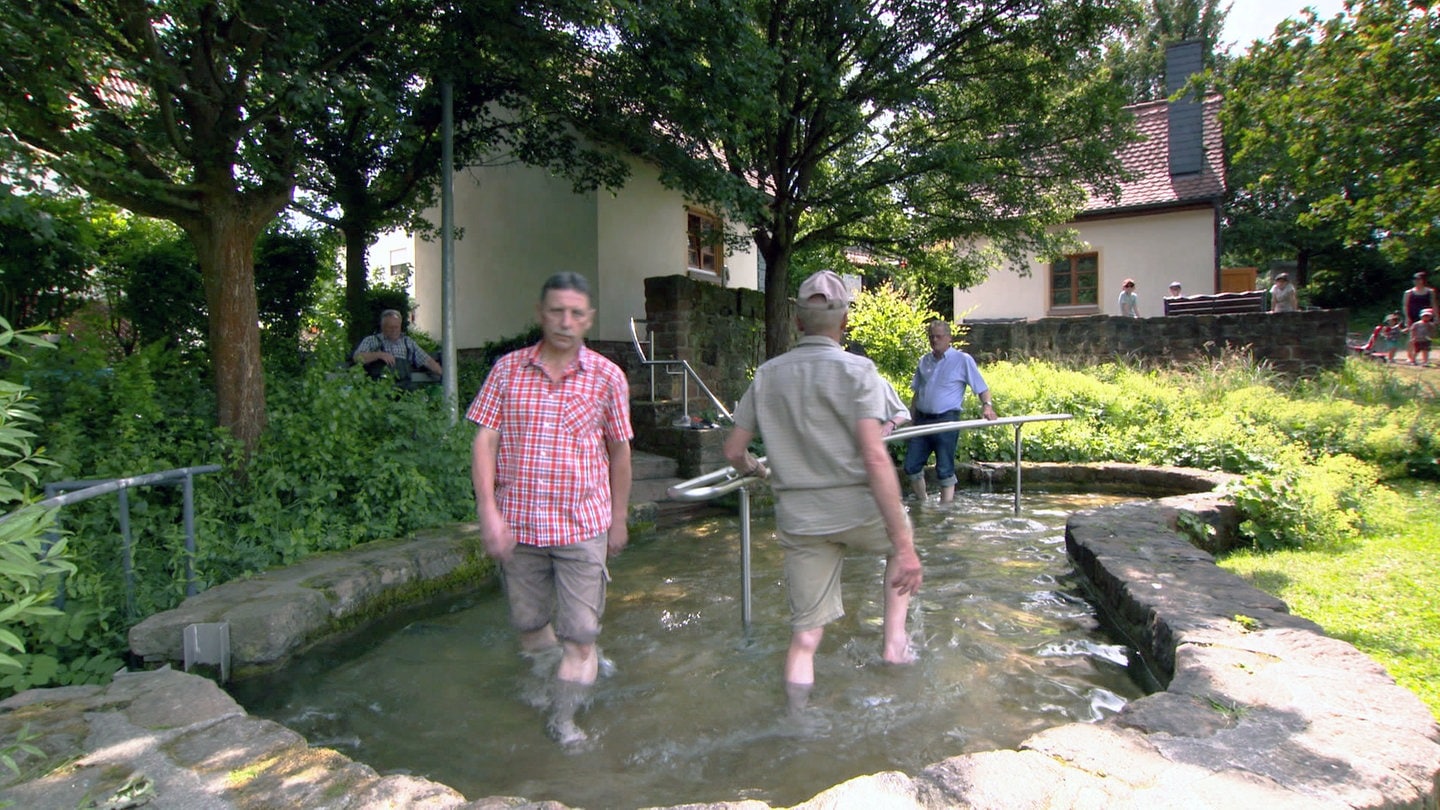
<point>1187,142</point>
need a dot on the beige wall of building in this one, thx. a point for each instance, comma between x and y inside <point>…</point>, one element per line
<point>1154,250</point>
<point>519,225</point>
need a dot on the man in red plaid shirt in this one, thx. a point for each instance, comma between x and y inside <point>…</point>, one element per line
<point>551,468</point>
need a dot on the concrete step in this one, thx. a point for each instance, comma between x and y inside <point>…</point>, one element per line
<point>645,466</point>
<point>652,490</point>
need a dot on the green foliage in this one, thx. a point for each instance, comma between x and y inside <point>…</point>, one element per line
<point>1373,592</point>
<point>816,124</point>
<point>891,327</point>
<point>1321,504</point>
<point>31,559</point>
<point>49,249</point>
<point>1332,125</point>
<point>1137,60</point>
<point>287,264</point>
<point>1312,451</point>
<point>347,460</point>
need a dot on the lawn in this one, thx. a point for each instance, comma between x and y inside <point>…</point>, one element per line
<point>1379,593</point>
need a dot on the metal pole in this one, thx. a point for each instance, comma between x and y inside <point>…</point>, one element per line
<point>745,558</point>
<point>1018,425</point>
<point>126,557</point>
<point>449,381</point>
<point>189,488</point>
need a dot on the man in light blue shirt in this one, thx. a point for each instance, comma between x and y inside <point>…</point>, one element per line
<point>939,385</point>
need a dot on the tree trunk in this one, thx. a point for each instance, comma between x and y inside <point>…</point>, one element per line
<point>358,317</point>
<point>778,312</point>
<point>226,250</point>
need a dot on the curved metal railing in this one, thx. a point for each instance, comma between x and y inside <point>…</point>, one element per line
<point>63,493</point>
<point>685,371</point>
<point>727,479</point>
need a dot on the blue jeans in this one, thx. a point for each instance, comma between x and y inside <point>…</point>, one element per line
<point>918,451</point>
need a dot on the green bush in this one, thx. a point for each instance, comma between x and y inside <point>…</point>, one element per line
<point>1319,505</point>
<point>891,327</point>
<point>31,563</point>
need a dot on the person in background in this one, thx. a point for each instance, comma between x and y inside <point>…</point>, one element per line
<point>1419,297</point>
<point>1175,290</point>
<point>940,380</point>
<point>392,351</point>
<point>1385,338</point>
<point>551,469</point>
<point>1129,301</point>
<point>819,410</point>
<point>1421,333</point>
<point>1283,297</point>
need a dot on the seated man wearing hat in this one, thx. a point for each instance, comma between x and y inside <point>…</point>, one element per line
<point>820,410</point>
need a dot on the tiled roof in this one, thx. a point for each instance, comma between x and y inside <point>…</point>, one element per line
<point>1148,160</point>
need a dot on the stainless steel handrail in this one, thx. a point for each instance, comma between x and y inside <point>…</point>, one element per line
<point>64,493</point>
<point>686,372</point>
<point>727,479</point>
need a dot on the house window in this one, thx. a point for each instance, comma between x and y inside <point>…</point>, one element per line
<point>1075,283</point>
<point>706,237</point>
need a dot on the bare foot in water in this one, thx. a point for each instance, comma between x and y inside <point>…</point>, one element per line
<point>565,732</point>
<point>904,656</point>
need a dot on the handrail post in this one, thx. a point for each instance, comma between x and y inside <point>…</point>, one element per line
<point>745,558</point>
<point>126,556</point>
<point>1018,425</point>
<point>189,498</point>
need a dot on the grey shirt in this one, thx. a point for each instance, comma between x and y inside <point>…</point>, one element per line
<point>805,404</point>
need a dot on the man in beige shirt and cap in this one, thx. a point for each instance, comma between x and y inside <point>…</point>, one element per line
<point>820,410</point>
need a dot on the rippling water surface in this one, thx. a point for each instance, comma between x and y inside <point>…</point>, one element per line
<point>692,709</point>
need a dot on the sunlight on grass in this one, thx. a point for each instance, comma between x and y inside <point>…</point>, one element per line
<point>1378,594</point>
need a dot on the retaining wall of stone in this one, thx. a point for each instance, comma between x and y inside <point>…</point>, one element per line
<point>1292,342</point>
<point>720,332</point>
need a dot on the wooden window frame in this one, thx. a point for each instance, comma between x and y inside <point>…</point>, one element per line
<point>704,257</point>
<point>1073,270</point>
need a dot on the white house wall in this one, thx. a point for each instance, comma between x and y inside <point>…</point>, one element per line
<point>1154,250</point>
<point>520,225</point>
<point>642,235</point>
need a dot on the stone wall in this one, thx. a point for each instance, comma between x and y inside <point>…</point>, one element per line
<point>721,332</point>
<point>1292,342</point>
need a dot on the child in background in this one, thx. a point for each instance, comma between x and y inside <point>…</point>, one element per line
<point>1386,338</point>
<point>1421,332</point>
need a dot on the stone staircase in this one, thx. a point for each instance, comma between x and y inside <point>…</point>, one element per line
<point>663,454</point>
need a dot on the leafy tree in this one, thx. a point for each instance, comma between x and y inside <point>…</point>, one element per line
<point>1330,128</point>
<point>187,111</point>
<point>375,162</point>
<point>48,247</point>
<point>1137,58</point>
<point>287,263</point>
<point>901,128</point>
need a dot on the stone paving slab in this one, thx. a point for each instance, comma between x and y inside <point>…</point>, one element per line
<point>1256,708</point>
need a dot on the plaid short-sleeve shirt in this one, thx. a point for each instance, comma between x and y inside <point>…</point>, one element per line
<point>552,476</point>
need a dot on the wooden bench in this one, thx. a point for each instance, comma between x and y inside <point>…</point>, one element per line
<point>1218,304</point>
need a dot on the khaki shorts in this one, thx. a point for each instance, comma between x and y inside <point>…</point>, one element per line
<point>812,570</point>
<point>559,585</point>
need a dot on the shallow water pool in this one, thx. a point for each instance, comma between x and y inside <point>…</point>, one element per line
<point>692,709</point>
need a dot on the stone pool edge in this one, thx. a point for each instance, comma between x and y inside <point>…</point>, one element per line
<point>1260,705</point>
